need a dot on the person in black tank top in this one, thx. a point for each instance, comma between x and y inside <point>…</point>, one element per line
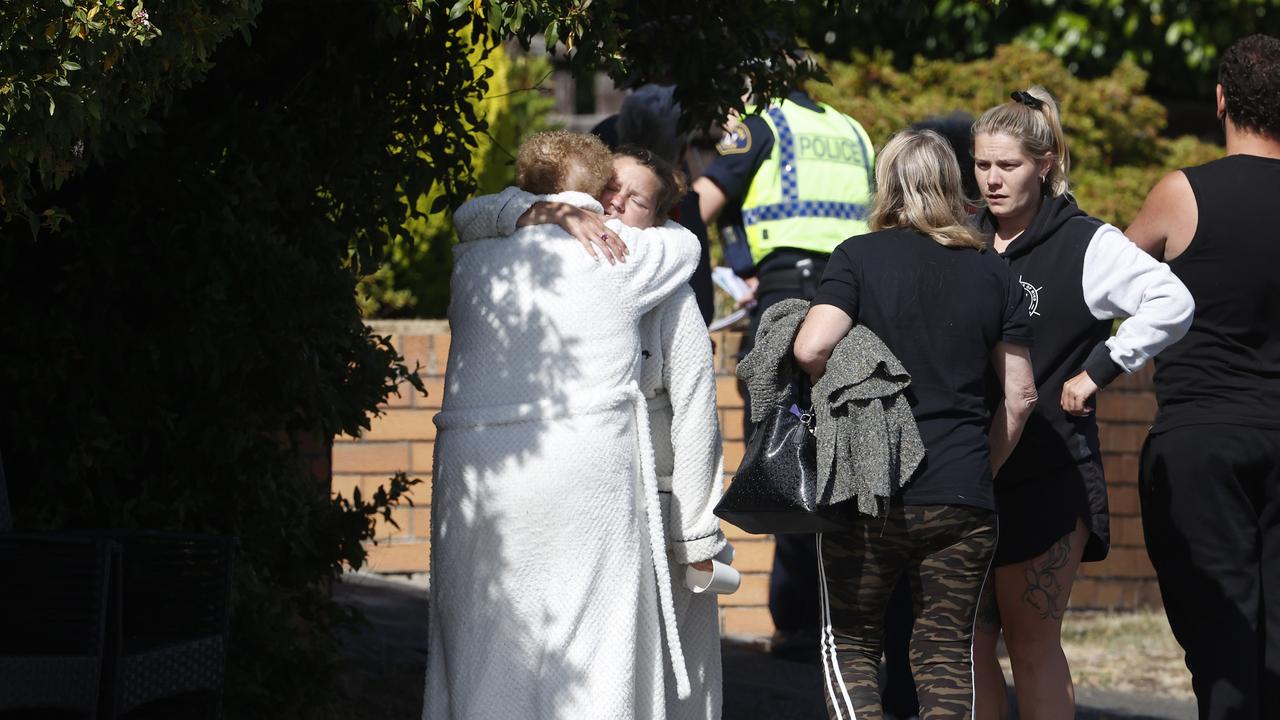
<point>1210,474</point>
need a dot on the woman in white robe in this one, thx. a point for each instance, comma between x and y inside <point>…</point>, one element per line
<point>678,383</point>
<point>546,598</point>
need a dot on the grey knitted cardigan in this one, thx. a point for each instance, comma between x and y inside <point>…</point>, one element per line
<point>868,442</point>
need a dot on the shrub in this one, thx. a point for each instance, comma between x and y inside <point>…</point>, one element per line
<point>1113,130</point>
<point>413,279</point>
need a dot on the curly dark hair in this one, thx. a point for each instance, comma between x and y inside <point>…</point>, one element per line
<point>1250,78</point>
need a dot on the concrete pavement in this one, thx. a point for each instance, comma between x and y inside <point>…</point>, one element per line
<point>386,658</point>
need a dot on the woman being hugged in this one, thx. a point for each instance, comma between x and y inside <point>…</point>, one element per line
<point>550,594</point>
<point>1079,274</point>
<point>949,312</point>
<point>593,619</point>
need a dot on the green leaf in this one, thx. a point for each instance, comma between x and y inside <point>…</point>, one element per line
<point>459,9</point>
<point>70,65</point>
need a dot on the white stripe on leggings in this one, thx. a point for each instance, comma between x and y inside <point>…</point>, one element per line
<point>830,660</point>
<point>973,677</point>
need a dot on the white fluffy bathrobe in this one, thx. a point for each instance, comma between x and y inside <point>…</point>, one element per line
<point>678,381</point>
<point>546,600</point>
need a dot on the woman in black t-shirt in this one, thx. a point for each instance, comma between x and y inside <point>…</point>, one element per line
<point>949,311</point>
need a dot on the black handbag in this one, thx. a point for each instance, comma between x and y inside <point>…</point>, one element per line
<point>776,487</point>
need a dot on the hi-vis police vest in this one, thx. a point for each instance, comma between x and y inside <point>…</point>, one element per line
<point>814,189</point>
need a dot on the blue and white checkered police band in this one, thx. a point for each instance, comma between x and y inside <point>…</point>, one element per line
<point>786,154</point>
<point>814,189</point>
<point>804,208</point>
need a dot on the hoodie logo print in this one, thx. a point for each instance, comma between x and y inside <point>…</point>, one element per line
<point>1033,292</point>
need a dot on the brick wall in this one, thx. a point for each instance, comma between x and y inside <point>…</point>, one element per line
<point>402,438</point>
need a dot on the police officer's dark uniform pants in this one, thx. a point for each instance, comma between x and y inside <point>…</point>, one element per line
<point>793,584</point>
<point>1211,515</point>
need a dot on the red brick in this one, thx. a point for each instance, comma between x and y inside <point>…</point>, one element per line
<point>1127,407</point>
<point>420,494</point>
<point>1120,468</point>
<point>1123,500</point>
<point>435,393</point>
<point>440,343</point>
<point>753,591</point>
<point>727,395</point>
<point>429,352</point>
<point>1091,570</point>
<point>1110,595</point>
<point>416,351</point>
<point>370,457</point>
<point>717,351</point>
<point>403,397</point>
<point>1147,595</point>
<point>402,424</point>
<point>1128,562</point>
<point>746,621</point>
<point>733,455</point>
<point>415,524</point>
<point>421,521</point>
<point>1122,437</point>
<point>344,485</point>
<point>422,456</point>
<point>399,558</point>
<point>754,555</point>
<point>1085,594</point>
<point>727,343</point>
<point>1138,381</point>
<point>1126,531</point>
<point>736,534</point>
<point>384,530</point>
<point>731,423</point>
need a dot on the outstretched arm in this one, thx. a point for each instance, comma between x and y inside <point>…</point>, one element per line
<point>586,226</point>
<point>501,214</point>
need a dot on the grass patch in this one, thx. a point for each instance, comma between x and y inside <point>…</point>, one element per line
<point>1131,652</point>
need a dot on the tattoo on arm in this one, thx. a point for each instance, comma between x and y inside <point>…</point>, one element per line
<point>1044,591</point>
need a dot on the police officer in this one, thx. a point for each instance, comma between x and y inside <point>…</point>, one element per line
<point>800,172</point>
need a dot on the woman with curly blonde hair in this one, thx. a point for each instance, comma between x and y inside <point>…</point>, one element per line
<point>601,512</point>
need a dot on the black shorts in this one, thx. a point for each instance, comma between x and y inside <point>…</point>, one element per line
<point>1036,512</point>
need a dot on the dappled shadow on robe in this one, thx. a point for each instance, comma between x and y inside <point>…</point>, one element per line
<point>512,361</point>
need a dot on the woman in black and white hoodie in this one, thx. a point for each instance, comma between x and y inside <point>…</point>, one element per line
<point>1080,274</point>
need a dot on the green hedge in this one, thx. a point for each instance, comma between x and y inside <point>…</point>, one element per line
<point>413,277</point>
<point>79,79</point>
<point>1113,129</point>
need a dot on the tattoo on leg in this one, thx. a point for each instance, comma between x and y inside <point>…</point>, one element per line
<point>1043,589</point>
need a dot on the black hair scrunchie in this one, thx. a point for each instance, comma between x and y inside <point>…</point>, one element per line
<point>1027,99</point>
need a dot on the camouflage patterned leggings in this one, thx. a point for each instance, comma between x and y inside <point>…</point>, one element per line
<point>945,551</point>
